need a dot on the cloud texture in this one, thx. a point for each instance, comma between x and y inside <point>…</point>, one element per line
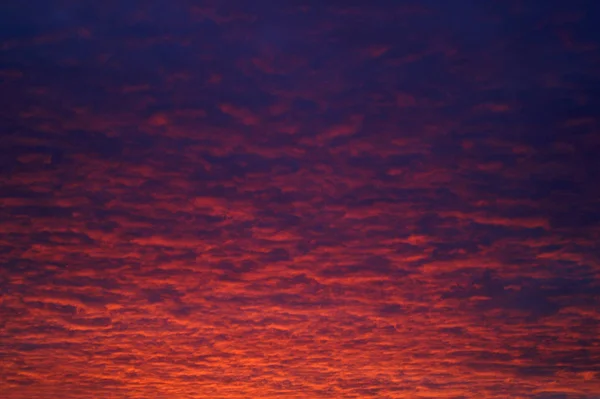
<point>299,199</point>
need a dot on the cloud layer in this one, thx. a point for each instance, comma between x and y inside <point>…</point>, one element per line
<point>208,199</point>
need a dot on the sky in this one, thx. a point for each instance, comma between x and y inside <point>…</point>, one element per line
<point>299,199</point>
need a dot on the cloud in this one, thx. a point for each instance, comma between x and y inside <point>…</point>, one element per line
<point>241,199</point>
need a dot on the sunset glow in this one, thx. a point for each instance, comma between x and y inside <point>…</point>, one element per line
<point>299,199</point>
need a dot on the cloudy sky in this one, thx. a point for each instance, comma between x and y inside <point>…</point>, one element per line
<point>299,199</point>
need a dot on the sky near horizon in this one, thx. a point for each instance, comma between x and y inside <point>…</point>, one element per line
<point>299,199</point>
